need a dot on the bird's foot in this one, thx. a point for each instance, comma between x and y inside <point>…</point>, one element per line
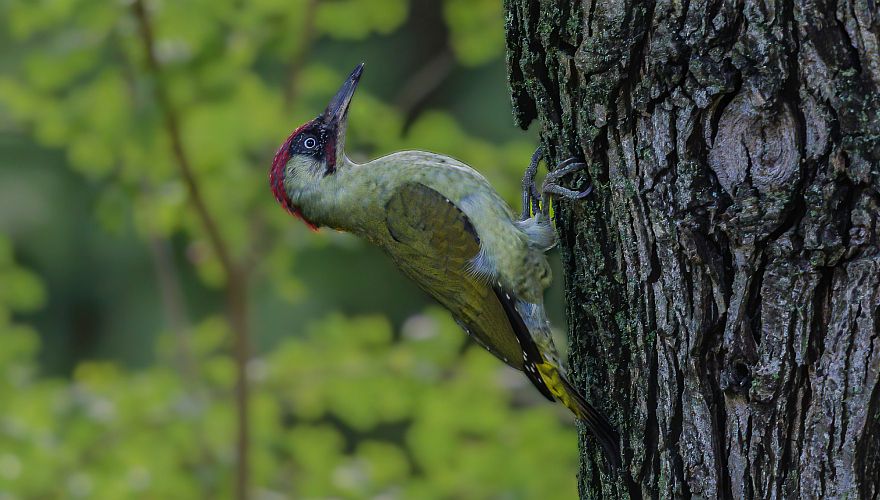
<point>531,198</point>
<point>552,187</point>
<point>535,201</point>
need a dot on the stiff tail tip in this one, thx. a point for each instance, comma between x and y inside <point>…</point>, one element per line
<point>598,424</point>
<point>595,421</point>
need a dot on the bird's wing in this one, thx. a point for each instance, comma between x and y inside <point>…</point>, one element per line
<point>433,242</point>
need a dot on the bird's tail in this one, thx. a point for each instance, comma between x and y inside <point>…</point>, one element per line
<point>598,424</point>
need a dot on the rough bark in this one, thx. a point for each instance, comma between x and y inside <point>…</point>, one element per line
<point>723,283</point>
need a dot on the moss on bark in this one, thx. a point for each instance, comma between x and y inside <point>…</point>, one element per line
<point>723,284</point>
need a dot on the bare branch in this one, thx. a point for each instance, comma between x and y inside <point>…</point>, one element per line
<point>236,279</point>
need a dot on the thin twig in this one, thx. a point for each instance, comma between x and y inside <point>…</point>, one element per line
<point>172,123</point>
<point>236,280</point>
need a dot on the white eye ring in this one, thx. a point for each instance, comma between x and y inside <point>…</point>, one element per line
<point>310,143</point>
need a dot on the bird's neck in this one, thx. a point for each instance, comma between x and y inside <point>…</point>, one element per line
<point>342,200</point>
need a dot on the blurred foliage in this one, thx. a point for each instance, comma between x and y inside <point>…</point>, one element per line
<point>346,402</point>
<point>475,27</point>
<point>343,411</point>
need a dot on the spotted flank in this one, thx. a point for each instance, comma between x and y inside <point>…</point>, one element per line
<point>530,353</point>
<point>546,377</point>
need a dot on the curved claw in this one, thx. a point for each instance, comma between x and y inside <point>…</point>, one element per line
<point>564,163</point>
<point>586,192</point>
<point>570,194</point>
<point>536,201</point>
<point>566,167</point>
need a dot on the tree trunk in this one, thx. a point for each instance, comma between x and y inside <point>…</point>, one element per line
<point>723,282</point>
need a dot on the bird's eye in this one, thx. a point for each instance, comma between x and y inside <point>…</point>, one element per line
<point>310,143</point>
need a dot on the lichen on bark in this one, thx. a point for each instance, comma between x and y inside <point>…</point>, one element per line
<point>723,283</point>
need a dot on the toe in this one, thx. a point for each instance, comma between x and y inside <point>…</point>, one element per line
<point>586,192</point>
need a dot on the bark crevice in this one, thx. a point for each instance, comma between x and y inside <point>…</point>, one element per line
<point>723,282</point>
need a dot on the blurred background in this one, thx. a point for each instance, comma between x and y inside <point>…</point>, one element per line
<point>153,345</point>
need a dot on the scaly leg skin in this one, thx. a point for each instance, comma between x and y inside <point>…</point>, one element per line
<point>531,199</point>
<point>534,201</point>
<point>551,186</point>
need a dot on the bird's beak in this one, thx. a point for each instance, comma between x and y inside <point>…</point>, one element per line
<point>338,108</point>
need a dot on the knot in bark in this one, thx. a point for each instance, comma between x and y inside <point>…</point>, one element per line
<point>757,147</point>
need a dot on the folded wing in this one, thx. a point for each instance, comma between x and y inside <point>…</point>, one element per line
<point>433,242</point>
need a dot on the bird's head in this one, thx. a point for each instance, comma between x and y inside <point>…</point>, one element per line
<point>313,151</point>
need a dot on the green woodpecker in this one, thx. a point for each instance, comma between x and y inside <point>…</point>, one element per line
<point>448,230</point>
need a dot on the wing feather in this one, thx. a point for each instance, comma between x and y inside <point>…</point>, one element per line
<point>433,242</point>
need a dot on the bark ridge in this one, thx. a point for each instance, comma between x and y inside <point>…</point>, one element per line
<point>723,284</point>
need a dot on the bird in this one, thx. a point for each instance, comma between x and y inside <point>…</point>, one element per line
<point>447,229</point>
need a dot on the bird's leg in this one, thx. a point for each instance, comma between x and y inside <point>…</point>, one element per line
<point>531,198</point>
<point>551,187</point>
